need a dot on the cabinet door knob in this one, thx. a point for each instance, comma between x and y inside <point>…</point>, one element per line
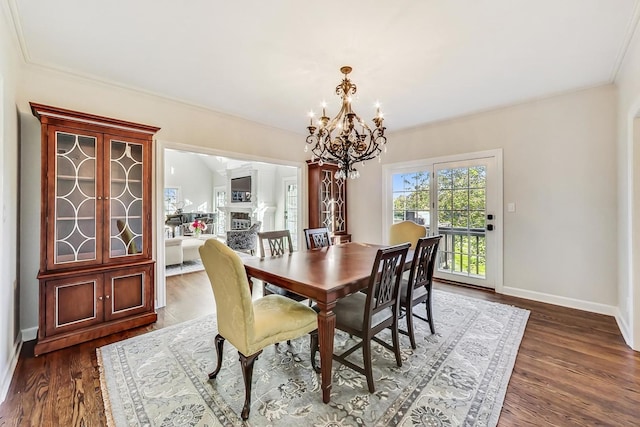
<point>107,297</point>
<point>99,198</point>
<point>100,298</point>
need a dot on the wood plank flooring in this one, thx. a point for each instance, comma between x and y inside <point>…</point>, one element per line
<point>573,368</point>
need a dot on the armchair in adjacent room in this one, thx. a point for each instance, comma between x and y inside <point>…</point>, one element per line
<point>244,240</point>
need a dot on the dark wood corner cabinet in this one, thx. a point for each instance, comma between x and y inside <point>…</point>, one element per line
<point>96,267</point>
<point>328,200</point>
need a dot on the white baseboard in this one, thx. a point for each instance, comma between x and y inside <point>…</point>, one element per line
<point>593,307</point>
<point>625,330</point>
<point>29,334</point>
<point>7,376</point>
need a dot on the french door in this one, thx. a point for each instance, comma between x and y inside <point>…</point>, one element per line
<point>459,199</point>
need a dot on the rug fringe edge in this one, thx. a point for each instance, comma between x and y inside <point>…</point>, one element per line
<point>105,392</point>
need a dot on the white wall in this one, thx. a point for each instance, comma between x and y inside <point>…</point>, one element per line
<point>628,144</point>
<point>560,170</point>
<point>10,339</point>
<point>193,177</point>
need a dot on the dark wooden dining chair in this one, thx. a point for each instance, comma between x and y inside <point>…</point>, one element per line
<point>279,244</point>
<point>365,315</point>
<point>417,288</point>
<point>317,237</point>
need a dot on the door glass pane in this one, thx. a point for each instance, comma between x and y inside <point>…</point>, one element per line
<point>291,212</point>
<point>220,202</point>
<point>126,188</point>
<point>412,197</point>
<point>75,204</point>
<point>461,220</point>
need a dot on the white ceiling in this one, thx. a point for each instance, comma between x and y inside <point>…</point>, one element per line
<point>273,61</point>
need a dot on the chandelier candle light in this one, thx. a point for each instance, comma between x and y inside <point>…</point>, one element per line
<point>346,139</point>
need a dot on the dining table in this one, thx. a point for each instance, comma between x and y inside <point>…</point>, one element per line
<point>323,275</point>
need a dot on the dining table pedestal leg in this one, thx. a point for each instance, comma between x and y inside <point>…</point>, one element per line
<point>326,332</point>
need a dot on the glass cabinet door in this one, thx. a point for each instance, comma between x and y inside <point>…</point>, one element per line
<point>332,202</point>
<point>126,198</point>
<point>75,212</point>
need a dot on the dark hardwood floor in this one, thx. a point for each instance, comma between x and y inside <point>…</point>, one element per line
<point>573,368</point>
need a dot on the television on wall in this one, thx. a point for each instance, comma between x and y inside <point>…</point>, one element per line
<point>241,189</point>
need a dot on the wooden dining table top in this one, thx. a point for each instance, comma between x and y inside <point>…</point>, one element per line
<point>323,274</point>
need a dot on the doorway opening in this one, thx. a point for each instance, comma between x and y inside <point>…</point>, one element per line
<point>204,180</point>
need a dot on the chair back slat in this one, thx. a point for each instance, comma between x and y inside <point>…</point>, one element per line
<point>424,261</point>
<point>384,282</point>
<point>317,237</point>
<point>279,242</point>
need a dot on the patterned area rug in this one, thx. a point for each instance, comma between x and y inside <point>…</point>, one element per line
<point>185,267</point>
<point>456,377</point>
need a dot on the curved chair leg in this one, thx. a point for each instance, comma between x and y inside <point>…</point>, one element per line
<point>247,373</point>
<point>314,349</point>
<point>409,315</point>
<point>219,345</point>
<point>429,315</point>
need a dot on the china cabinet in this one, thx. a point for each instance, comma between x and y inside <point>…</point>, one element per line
<point>96,267</point>
<point>328,200</point>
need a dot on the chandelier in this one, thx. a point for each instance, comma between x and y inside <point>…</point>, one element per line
<point>346,139</point>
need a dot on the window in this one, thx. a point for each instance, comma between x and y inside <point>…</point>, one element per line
<point>170,200</point>
<point>411,197</point>
<point>220,196</point>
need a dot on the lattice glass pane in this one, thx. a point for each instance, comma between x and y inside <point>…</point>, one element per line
<point>75,198</point>
<point>126,188</point>
<point>326,200</point>
<point>462,203</point>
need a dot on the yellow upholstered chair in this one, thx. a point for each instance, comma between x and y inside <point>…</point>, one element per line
<point>248,325</point>
<point>127,237</point>
<point>406,231</point>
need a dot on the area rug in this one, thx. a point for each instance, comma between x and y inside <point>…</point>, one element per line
<point>185,267</point>
<point>455,377</point>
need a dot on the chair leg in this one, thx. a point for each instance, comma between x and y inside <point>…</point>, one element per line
<point>409,316</point>
<point>314,349</point>
<point>247,373</point>
<point>396,342</point>
<point>219,345</point>
<point>366,353</point>
<point>429,315</point>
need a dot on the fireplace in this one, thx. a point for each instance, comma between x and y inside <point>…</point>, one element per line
<point>239,220</point>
